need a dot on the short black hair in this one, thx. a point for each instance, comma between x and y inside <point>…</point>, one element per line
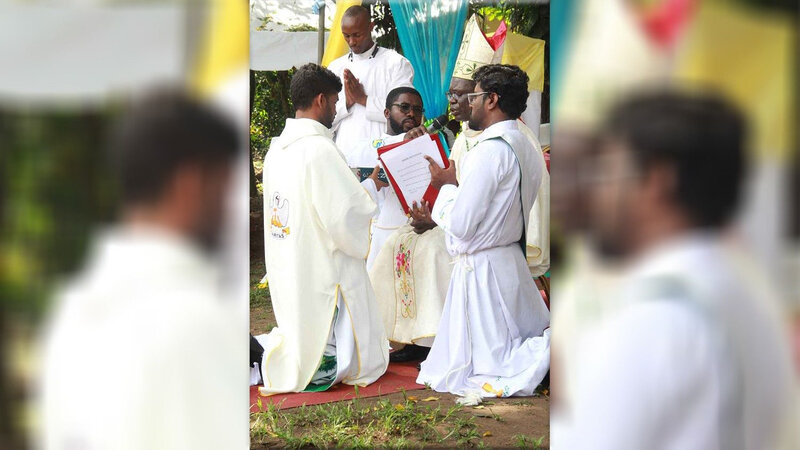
<point>309,81</point>
<point>397,92</point>
<point>356,11</point>
<point>510,84</point>
<point>699,133</point>
<point>161,132</point>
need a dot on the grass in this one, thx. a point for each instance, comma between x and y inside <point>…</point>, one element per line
<point>523,441</point>
<point>262,319</point>
<point>352,424</point>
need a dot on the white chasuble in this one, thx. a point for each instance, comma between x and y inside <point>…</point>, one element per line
<point>491,338</point>
<point>410,277</point>
<point>316,233</point>
<point>379,70</point>
<point>538,235</point>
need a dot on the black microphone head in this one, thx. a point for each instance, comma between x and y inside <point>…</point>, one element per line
<point>438,123</point>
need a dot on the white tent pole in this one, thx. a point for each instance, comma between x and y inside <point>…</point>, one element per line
<point>321,44</point>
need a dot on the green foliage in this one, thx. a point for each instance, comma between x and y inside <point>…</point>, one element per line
<point>264,22</point>
<point>271,107</point>
<point>532,20</point>
<point>55,188</point>
<point>523,441</point>
<point>384,25</point>
<point>302,27</point>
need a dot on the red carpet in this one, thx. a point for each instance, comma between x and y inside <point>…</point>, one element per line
<point>398,376</point>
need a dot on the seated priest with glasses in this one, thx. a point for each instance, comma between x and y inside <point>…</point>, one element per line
<point>409,268</point>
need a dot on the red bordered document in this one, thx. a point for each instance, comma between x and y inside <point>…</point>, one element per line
<point>408,170</point>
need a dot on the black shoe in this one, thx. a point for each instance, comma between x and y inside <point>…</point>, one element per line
<point>410,352</point>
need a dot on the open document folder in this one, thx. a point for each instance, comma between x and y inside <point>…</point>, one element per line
<point>408,170</point>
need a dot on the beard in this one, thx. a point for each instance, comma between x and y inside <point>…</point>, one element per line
<point>327,120</point>
<point>475,120</point>
<point>397,127</point>
<point>474,125</point>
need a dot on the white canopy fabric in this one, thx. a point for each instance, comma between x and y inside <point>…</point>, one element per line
<point>274,48</point>
<point>282,50</point>
<point>85,54</point>
<point>277,15</point>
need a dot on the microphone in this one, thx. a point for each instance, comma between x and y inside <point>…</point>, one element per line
<point>438,123</point>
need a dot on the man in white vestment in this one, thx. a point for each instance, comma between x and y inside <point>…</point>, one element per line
<point>475,52</point>
<point>144,350</point>
<point>492,339</point>
<point>409,268</point>
<point>368,72</point>
<point>404,112</point>
<point>695,337</point>
<point>316,233</point>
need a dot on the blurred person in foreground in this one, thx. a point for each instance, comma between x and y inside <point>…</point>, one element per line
<point>141,351</point>
<point>316,241</point>
<point>493,339</point>
<point>694,354</point>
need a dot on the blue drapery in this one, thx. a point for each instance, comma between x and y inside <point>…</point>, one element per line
<point>562,23</point>
<point>430,32</point>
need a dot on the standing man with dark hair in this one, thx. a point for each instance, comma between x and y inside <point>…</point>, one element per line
<point>368,73</point>
<point>316,233</point>
<point>491,340</point>
<point>144,323</point>
<point>474,53</point>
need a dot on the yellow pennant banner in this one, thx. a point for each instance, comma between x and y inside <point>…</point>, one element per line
<point>528,54</point>
<point>225,46</point>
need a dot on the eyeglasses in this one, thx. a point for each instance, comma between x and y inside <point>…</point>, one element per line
<point>405,108</point>
<point>472,96</point>
<point>454,97</point>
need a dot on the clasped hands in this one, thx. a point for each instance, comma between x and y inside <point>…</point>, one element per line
<point>353,90</point>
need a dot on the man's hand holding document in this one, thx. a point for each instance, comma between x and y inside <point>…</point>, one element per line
<point>408,168</point>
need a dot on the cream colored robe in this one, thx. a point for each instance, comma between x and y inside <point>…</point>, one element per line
<point>538,236</point>
<point>316,239</point>
<point>410,276</point>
